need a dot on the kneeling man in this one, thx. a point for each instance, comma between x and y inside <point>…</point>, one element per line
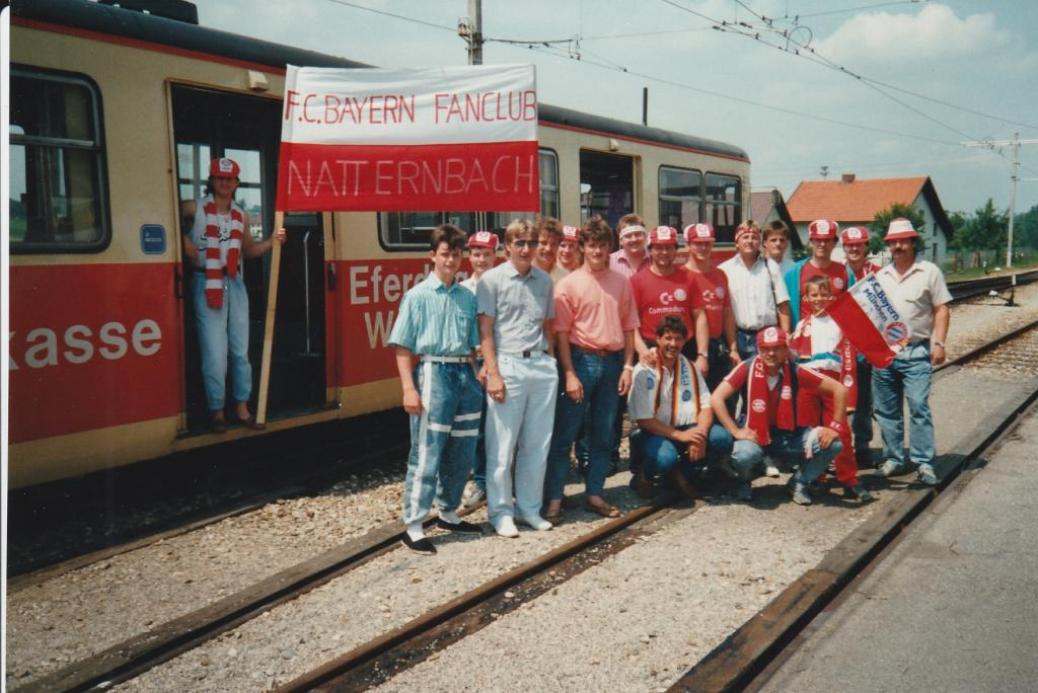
<point>676,437</point>
<point>770,426</point>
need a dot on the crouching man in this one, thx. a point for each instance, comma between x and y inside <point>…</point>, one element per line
<point>770,384</point>
<point>676,438</point>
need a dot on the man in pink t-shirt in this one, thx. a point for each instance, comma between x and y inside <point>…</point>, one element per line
<point>595,321</point>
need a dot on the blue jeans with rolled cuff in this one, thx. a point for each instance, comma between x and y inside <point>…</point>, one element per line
<point>600,376</point>
<point>659,455</point>
<point>224,332</point>
<point>907,378</point>
<point>786,447</point>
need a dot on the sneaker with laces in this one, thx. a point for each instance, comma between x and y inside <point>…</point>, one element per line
<point>799,494</point>
<point>891,468</point>
<point>771,470</point>
<point>505,527</point>
<point>536,522</point>
<point>927,475</point>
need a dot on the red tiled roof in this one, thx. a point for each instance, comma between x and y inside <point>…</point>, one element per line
<point>858,201</point>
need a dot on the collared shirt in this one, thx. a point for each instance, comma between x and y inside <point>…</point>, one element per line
<point>595,308</point>
<point>436,319</point>
<point>754,291</point>
<point>618,262</point>
<point>915,294</point>
<point>641,402</point>
<point>519,305</point>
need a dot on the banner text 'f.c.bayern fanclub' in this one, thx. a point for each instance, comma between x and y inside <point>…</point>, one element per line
<point>370,139</point>
<point>870,321</point>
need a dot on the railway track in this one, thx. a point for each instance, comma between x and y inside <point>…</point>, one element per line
<point>965,290</point>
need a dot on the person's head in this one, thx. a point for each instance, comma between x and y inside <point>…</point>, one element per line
<point>663,247</point>
<point>747,238</point>
<point>631,232</point>
<point>571,248</point>
<point>822,236</point>
<point>549,235</point>
<point>223,177</point>
<point>521,242</point>
<point>901,240</point>
<point>445,245</point>
<point>700,241</point>
<point>598,242</point>
<point>855,240</point>
<point>776,240</point>
<point>773,348</point>
<point>818,292</point>
<point>671,335</point>
<point>482,248</point>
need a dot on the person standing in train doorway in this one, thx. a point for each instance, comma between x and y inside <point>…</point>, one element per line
<point>216,244</point>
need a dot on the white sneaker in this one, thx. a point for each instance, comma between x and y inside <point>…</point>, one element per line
<point>772,471</point>
<point>505,527</point>
<point>538,523</point>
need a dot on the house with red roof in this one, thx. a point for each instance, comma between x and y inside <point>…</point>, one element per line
<point>851,201</point>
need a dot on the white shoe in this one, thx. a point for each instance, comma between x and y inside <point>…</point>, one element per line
<point>505,527</point>
<point>772,471</point>
<point>537,522</point>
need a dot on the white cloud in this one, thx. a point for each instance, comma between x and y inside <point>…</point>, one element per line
<point>934,33</point>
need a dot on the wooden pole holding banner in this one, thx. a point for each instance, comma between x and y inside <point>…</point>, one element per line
<point>268,323</point>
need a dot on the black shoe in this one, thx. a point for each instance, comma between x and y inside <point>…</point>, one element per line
<point>858,493</point>
<point>423,545</point>
<point>461,526</point>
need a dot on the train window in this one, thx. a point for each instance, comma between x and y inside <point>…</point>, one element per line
<point>606,186</point>
<point>724,204</point>
<point>57,172</point>
<point>549,180</point>
<point>681,195</point>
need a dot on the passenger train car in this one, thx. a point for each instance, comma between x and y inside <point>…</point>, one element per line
<point>115,113</point>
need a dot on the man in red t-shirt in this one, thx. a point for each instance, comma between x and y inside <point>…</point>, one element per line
<point>855,241</point>
<point>822,235</point>
<point>667,289</point>
<point>711,290</point>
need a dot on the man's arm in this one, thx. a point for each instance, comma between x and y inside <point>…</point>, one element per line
<point>404,364</point>
<point>702,340</point>
<point>838,392</point>
<point>252,249</point>
<point>729,335</point>
<point>495,385</point>
<point>941,322</point>
<point>624,386</point>
<point>785,317</point>
<point>574,388</point>
<point>718,401</point>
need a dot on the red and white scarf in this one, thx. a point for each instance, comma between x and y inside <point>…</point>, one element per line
<point>213,265</point>
<point>758,398</point>
<point>684,394</point>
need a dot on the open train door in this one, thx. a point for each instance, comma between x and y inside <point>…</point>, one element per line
<point>207,124</point>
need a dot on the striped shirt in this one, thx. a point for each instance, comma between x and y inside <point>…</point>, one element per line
<point>437,320</point>
<point>519,305</point>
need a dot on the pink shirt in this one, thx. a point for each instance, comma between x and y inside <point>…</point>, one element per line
<point>618,262</point>
<point>596,308</point>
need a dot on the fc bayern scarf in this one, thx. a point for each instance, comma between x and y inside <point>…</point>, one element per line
<point>684,395</point>
<point>213,266</point>
<point>758,397</point>
<point>808,412</point>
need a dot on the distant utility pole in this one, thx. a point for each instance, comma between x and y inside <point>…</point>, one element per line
<point>1013,179</point>
<point>825,172</point>
<point>470,28</point>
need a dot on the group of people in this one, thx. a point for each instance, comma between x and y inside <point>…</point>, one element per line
<point>728,371</point>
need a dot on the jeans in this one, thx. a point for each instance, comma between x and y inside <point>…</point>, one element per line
<point>787,446</point>
<point>907,377</point>
<point>861,422</point>
<point>661,455</point>
<point>479,471</point>
<point>600,376</point>
<point>519,429</point>
<point>223,331</point>
<point>746,343</point>
<point>443,438</point>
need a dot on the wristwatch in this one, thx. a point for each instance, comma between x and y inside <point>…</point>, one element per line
<point>936,343</point>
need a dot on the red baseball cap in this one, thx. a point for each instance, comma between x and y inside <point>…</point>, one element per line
<point>224,168</point>
<point>823,230</point>
<point>571,233</point>
<point>483,239</point>
<point>900,229</point>
<point>663,235</point>
<point>855,235</point>
<point>771,337</point>
<point>699,233</point>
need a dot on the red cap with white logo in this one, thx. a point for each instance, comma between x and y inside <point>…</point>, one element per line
<point>771,337</point>
<point>900,229</point>
<point>855,235</point>
<point>571,233</point>
<point>223,168</point>
<point>483,239</point>
<point>699,233</point>
<point>823,230</point>
<point>663,235</point>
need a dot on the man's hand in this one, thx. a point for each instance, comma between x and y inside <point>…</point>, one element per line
<point>745,433</point>
<point>937,355</point>
<point>624,385</point>
<point>496,387</point>
<point>733,356</point>
<point>703,364</point>
<point>574,388</point>
<point>412,401</point>
<point>826,436</point>
<point>648,358</point>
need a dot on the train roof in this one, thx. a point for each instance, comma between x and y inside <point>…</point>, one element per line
<point>151,28</point>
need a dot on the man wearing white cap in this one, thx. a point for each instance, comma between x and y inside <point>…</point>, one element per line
<point>711,286</point>
<point>917,289</point>
<point>822,235</point>
<point>571,249</point>
<point>631,257</point>
<point>855,240</point>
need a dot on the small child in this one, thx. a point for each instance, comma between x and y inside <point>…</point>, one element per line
<point>482,253</point>
<point>437,322</point>
<point>819,344</point>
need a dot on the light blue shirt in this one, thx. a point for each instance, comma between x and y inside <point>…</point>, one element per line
<point>519,305</point>
<point>437,320</point>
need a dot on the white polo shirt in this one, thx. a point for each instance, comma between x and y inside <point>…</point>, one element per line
<point>755,291</point>
<point>915,294</point>
<point>642,405</point>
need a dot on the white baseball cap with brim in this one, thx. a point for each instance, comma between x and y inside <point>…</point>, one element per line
<point>900,229</point>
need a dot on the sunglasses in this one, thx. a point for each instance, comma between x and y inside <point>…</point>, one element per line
<point>528,244</point>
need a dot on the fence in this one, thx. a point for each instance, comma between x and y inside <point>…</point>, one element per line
<point>986,260</point>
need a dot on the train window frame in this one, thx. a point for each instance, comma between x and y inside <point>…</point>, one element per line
<point>725,232</point>
<point>97,147</point>
<point>700,199</point>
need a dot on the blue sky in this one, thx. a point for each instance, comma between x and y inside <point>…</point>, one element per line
<point>979,56</point>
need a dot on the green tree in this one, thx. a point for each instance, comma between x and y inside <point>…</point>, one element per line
<point>879,225</point>
<point>958,220</point>
<point>1025,229</point>
<point>987,229</point>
